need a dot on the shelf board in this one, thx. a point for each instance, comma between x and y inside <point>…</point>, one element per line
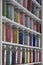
<point>19,26</point>
<point>19,45</point>
<point>36,3</point>
<point>19,6</point>
<point>29,63</point>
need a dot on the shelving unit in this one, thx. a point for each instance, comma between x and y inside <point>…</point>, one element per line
<point>24,9</point>
<point>4,19</point>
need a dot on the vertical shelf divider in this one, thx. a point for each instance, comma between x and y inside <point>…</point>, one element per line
<point>0,32</point>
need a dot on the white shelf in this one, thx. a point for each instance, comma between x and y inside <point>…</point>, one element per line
<point>36,3</point>
<point>29,63</point>
<point>6,20</point>
<point>20,45</point>
<point>24,10</point>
